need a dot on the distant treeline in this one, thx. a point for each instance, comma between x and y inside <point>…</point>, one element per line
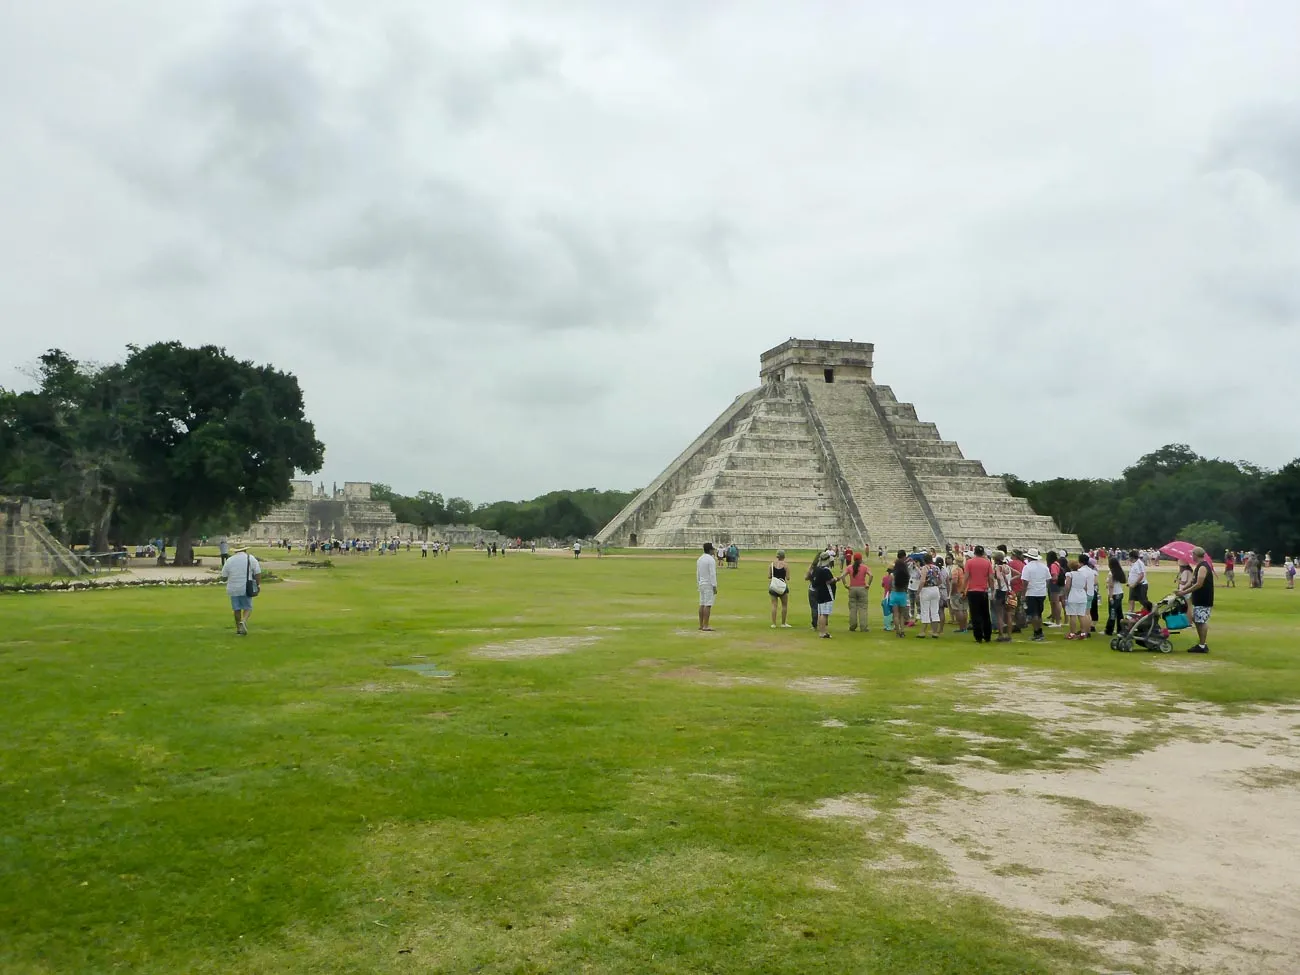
<point>1176,493</point>
<point>559,514</point>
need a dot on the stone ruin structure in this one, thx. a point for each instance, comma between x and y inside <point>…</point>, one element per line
<point>819,453</point>
<point>314,513</point>
<point>26,546</point>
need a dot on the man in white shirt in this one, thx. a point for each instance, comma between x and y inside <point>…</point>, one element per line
<point>1035,576</point>
<point>243,574</point>
<point>1137,581</point>
<point>706,580</point>
<point>577,549</point>
<point>1089,576</point>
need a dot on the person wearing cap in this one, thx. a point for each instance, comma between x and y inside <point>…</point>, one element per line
<point>822,578</point>
<point>1035,575</point>
<point>243,575</point>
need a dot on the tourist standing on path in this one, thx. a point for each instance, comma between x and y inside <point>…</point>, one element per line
<point>928,597</point>
<point>1137,582</point>
<point>1201,591</point>
<point>858,577</point>
<point>778,571</point>
<point>823,578</point>
<point>1115,589</point>
<point>957,593</point>
<point>1036,577</point>
<point>898,595</point>
<point>706,580</point>
<point>979,574</point>
<point>243,575</point>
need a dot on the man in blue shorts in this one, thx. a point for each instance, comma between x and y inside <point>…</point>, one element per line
<point>243,574</point>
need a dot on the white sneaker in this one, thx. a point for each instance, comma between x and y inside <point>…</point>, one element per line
<point>774,626</point>
<point>786,626</point>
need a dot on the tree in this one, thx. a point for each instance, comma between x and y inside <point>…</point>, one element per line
<point>217,435</point>
<point>1210,535</point>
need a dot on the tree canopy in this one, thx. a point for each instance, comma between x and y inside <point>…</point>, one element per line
<point>558,514</point>
<point>1171,490</point>
<point>163,443</point>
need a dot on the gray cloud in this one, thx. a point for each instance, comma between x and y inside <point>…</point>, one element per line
<point>508,247</point>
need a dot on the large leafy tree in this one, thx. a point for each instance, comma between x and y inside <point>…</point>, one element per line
<point>217,435</point>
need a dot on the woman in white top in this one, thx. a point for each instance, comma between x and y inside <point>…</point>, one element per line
<point>1076,600</point>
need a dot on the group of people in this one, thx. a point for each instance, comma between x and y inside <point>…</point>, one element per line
<point>990,594</point>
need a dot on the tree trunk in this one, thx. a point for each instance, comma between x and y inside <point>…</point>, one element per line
<point>105,519</point>
<point>185,546</point>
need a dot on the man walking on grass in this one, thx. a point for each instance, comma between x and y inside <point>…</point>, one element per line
<point>243,575</point>
<point>706,580</point>
<point>1035,575</point>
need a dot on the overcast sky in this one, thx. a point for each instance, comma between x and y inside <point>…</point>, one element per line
<point>508,248</point>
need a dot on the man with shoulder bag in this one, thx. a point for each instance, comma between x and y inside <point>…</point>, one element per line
<point>243,576</point>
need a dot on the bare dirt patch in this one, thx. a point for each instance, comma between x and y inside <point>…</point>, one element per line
<point>542,646</point>
<point>1181,858</point>
<point>708,678</point>
<point>824,685</point>
<point>855,806</point>
<point>833,723</point>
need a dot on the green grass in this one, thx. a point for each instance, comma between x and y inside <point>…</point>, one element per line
<point>174,798</point>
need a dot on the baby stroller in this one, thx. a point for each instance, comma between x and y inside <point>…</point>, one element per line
<point>1151,631</point>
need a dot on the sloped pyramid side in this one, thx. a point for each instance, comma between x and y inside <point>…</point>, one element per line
<point>966,503</point>
<point>758,477</point>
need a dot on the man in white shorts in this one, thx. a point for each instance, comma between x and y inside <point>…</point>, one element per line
<point>706,580</point>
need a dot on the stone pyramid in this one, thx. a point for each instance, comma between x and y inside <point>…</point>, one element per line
<point>819,453</point>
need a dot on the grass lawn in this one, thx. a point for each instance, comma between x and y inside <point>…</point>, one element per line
<point>176,798</point>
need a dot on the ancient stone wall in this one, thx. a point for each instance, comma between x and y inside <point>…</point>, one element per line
<point>26,546</point>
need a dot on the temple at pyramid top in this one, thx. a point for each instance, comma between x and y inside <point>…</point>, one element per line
<point>816,361</point>
<point>820,453</point>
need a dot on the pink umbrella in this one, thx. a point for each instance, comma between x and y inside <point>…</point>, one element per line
<point>1182,552</point>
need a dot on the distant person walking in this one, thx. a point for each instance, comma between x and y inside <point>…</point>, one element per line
<point>858,577</point>
<point>1289,567</point>
<point>706,580</point>
<point>979,574</point>
<point>778,587</point>
<point>223,548</point>
<point>1201,592</point>
<point>243,575</point>
<point>577,548</point>
<point>1229,564</point>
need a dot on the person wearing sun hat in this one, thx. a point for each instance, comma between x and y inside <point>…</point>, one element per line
<point>1035,575</point>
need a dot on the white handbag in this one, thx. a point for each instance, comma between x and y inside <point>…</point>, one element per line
<point>777,587</point>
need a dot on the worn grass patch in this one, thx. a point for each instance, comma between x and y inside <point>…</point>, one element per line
<point>581,788</point>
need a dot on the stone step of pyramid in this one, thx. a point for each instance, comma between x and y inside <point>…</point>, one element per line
<point>889,506</point>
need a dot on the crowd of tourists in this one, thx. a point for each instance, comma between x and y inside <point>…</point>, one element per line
<point>990,594</point>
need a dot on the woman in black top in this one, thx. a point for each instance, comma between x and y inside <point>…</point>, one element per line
<point>823,579</point>
<point>902,576</point>
<point>779,570</point>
